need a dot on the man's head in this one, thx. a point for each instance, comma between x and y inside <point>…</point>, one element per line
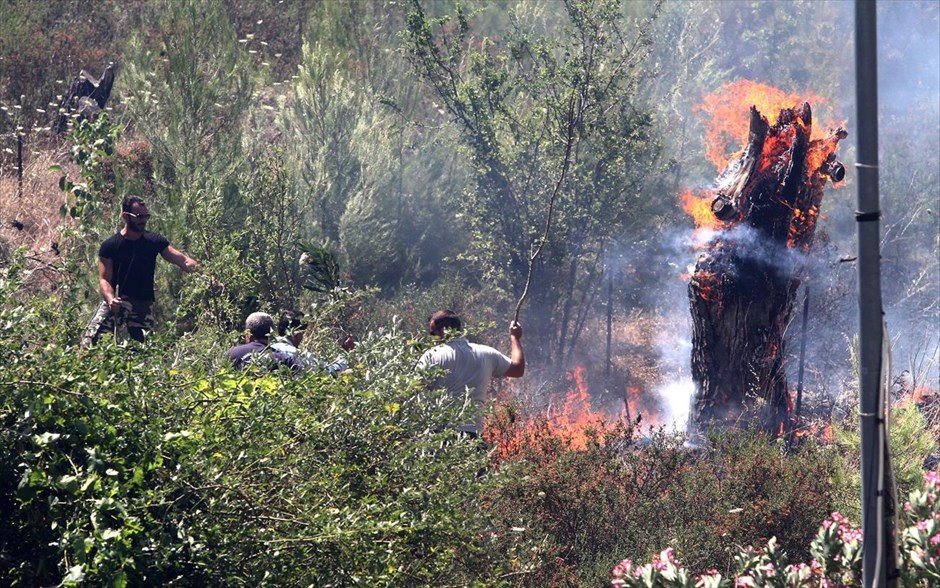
<point>292,326</point>
<point>444,319</point>
<point>259,326</point>
<point>134,213</point>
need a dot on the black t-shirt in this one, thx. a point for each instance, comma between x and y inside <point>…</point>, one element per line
<point>133,263</point>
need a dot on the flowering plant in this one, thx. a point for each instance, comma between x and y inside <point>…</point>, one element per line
<point>836,551</point>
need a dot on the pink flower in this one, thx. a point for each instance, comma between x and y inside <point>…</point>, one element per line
<point>935,540</point>
<point>622,570</point>
<point>932,478</point>
<point>665,559</point>
<point>711,574</point>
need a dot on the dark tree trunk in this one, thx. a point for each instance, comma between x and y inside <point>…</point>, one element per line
<point>86,97</point>
<point>743,289</point>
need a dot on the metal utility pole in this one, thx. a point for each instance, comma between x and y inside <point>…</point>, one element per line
<point>878,564</point>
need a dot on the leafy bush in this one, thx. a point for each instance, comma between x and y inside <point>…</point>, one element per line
<point>157,465</point>
<point>911,439</point>
<point>836,556</point>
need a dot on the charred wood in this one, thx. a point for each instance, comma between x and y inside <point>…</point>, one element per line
<point>742,292</point>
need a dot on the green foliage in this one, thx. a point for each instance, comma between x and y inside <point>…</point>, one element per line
<point>90,198</point>
<point>157,465</point>
<point>836,556</point>
<point>371,183</point>
<point>273,224</point>
<point>544,116</point>
<point>93,150</point>
<point>87,469</point>
<point>321,270</point>
<point>326,112</point>
<point>911,442</point>
<point>187,87</point>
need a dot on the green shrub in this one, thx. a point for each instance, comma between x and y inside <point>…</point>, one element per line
<point>561,510</point>
<point>836,554</point>
<point>157,465</point>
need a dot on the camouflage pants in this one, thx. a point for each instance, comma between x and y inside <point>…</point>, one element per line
<point>135,315</point>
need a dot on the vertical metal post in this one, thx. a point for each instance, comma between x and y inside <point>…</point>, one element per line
<point>19,165</point>
<point>875,526</point>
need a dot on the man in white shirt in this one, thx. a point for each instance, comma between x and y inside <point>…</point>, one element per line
<point>470,365</point>
<point>290,329</point>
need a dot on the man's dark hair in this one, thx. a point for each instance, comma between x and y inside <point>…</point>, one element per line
<point>445,319</point>
<point>291,320</point>
<point>130,201</point>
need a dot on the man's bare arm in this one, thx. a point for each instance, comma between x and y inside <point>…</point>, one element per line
<point>516,356</point>
<point>105,268</point>
<point>180,259</point>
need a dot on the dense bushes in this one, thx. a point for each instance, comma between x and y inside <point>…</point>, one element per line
<point>577,511</point>
<point>157,464</point>
<point>153,465</point>
<point>836,556</point>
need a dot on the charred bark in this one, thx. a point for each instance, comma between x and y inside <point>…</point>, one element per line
<point>745,282</point>
<point>86,97</point>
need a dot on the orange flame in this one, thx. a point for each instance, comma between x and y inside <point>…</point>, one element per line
<point>574,422</point>
<point>699,207</point>
<point>576,414</point>
<point>822,431</point>
<point>707,282</point>
<point>727,127</point>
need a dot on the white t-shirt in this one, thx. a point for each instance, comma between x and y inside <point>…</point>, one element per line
<point>306,361</point>
<point>468,365</point>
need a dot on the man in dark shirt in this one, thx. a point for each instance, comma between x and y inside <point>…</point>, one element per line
<point>126,264</point>
<point>259,327</point>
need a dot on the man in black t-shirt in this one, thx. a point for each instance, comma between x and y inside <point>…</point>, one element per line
<point>126,264</point>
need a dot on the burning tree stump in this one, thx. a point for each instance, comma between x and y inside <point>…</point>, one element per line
<point>745,282</point>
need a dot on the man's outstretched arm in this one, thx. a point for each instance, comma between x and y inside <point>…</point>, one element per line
<point>180,259</point>
<point>516,356</point>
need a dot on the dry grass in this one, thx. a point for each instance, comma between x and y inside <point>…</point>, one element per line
<point>31,219</point>
<point>639,342</point>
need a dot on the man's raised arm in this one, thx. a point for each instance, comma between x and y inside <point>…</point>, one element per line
<point>516,356</point>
